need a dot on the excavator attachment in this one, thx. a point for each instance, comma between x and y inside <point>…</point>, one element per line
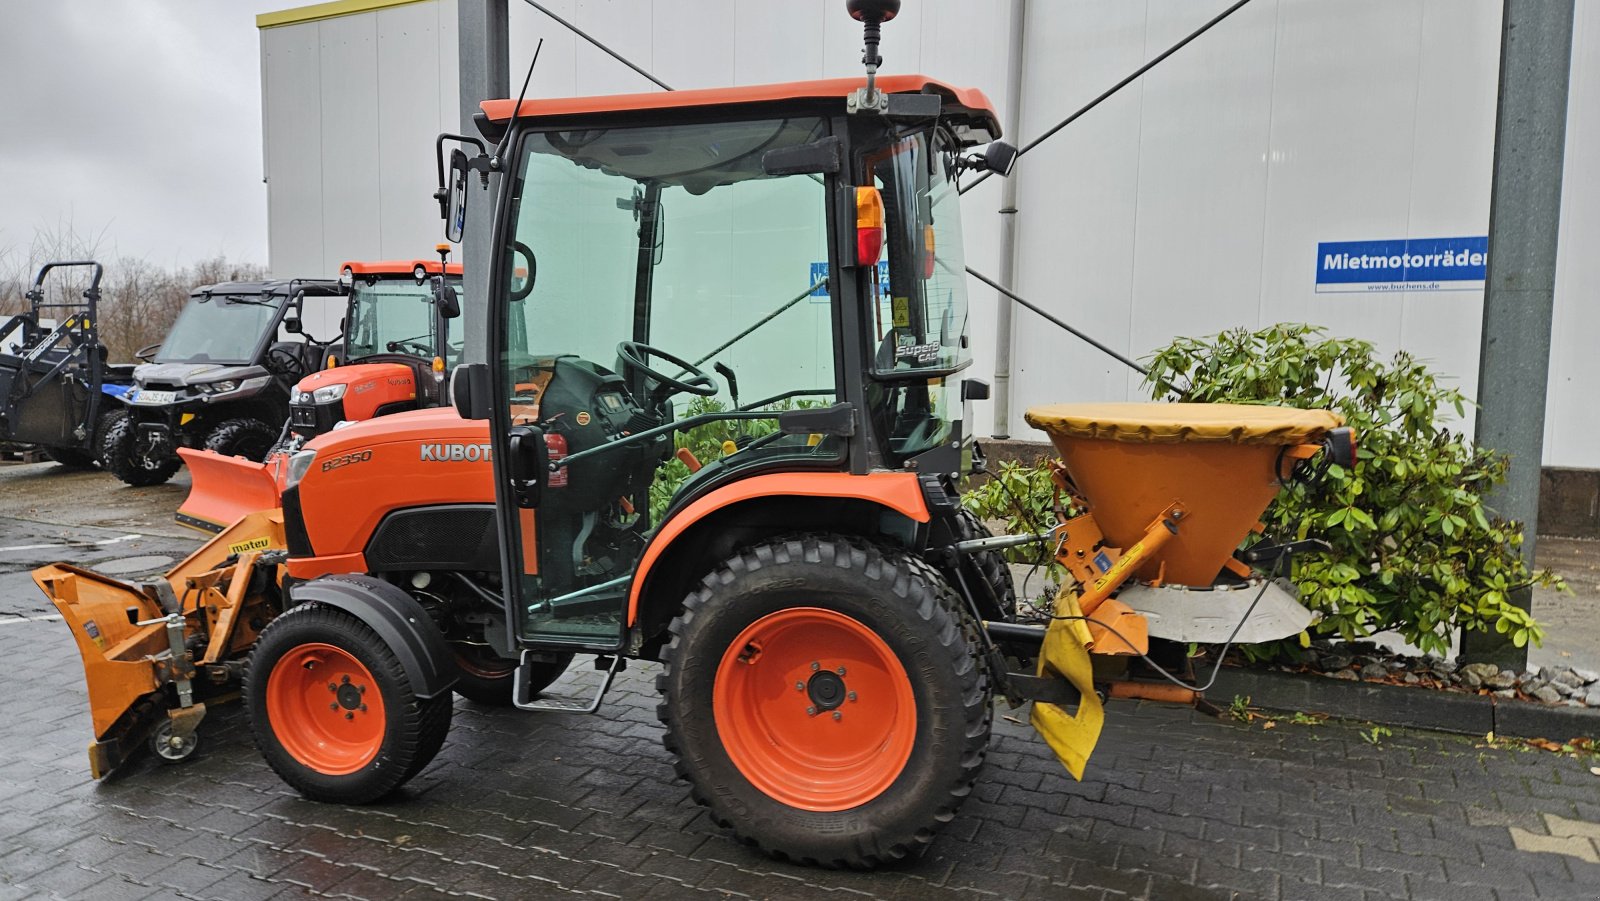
<point>223,489</point>
<point>154,653</point>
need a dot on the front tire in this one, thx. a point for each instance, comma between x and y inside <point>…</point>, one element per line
<point>822,697</point>
<point>120,456</point>
<point>332,711</point>
<point>243,437</point>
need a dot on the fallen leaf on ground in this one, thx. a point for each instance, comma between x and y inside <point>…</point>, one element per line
<point>1595,770</point>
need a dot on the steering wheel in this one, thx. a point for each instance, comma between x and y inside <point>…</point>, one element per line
<point>148,351</point>
<point>517,247</point>
<point>289,364</point>
<point>413,343</point>
<point>634,354</point>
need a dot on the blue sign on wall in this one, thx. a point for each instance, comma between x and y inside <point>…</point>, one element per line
<point>819,271</point>
<point>1402,264</point>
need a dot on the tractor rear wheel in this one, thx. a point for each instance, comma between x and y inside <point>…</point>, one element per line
<point>822,697</point>
<point>986,572</point>
<point>486,677</point>
<point>332,711</point>
<point>243,437</point>
<point>120,455</point>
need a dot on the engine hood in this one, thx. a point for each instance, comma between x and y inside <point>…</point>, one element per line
<point>184,374</point>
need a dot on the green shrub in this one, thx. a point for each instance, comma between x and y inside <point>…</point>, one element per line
<point>1415,549</point>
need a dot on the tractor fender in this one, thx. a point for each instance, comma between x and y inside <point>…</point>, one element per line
<point>897,491</point>
<point>397,618</point>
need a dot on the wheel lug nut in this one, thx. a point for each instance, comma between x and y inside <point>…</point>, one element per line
<point>837,716</point>
<point>345,679</point>
<point>799,686</point>
<point>349,716</point>
<point>815,666</point>
<point>332,687</point>
<point>851,696</point>
<point>811,711</point>
<point>840,670</point>
<point>363,708</point>
<point>361,688</point>
<point>334,706</point>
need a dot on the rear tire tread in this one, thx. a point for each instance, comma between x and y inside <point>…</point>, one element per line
<point>929,598</point>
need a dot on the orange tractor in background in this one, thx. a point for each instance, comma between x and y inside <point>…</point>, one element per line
<point>832,628</point>
<point>394,356</point>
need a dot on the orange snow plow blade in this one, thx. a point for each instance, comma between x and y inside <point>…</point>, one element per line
<point>136,640</point>
<point>223,489</point>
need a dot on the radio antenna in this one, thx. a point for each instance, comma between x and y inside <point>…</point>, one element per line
<point>494,161</point>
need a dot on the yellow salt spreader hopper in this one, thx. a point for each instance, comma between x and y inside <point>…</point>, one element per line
<point>1156,500</point>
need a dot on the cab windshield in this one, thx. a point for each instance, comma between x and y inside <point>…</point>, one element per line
<point>675,237</point>
<point>395,315</point>
<point>221,329</point>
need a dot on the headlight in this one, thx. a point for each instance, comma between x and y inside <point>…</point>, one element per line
<point>217,387</point>
<point>328,393</point>
<point>302,397</point>
<point>299,465</point>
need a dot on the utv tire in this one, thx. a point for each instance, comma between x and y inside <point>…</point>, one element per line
<point>86,458</point>
<point>332,711</point>
<point>823,698</point>
<point>986,572</point>
<point>486,678</point>
<point>71,457</point>
<point>117,455</point>
<point>244,437</point>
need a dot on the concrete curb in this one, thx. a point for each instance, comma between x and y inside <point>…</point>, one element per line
<point>1396,705</point>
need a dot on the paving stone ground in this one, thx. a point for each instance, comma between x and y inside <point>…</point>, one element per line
<point>1176,805</point>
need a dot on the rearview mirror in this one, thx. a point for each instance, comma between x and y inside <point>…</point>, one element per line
<point>999,157</point>
<point>446,299</point>
<point>469,390</point>
<point>455,200</point>
<point>291,316</point>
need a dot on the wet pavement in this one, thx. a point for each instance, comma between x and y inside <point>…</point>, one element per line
<point>1176,804</point>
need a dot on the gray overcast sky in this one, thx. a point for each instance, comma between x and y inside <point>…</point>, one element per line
<point>136,121</point>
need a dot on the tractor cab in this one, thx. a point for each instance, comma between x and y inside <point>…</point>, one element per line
<point>396,347</point>
<point>747,287</point>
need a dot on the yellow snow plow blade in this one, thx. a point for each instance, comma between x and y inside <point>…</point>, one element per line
<point>136,639</point>
<point>1072,736</point>
<point>222,489</point>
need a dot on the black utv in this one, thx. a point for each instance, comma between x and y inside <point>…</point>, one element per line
<point>220,380</point>
<point>57,392</point>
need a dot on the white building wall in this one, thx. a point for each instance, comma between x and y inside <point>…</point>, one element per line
<point>1191,202</point>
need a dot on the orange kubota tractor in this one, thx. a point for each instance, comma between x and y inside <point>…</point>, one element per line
<point>394,357</point>
<point>831,626</point>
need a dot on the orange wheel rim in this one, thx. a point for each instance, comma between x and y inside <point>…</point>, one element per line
<point>814,709</point>
<point>325,709</point>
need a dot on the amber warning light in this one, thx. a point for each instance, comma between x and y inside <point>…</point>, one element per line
<point>869,226</point>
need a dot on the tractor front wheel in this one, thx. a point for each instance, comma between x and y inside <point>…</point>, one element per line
<point>822,697</point>
<point>332,711</point>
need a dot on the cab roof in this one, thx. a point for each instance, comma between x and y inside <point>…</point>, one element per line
<point>962,102</point>
<point>399,267</point>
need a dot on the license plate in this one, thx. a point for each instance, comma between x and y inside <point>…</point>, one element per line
<point>155,397</point>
